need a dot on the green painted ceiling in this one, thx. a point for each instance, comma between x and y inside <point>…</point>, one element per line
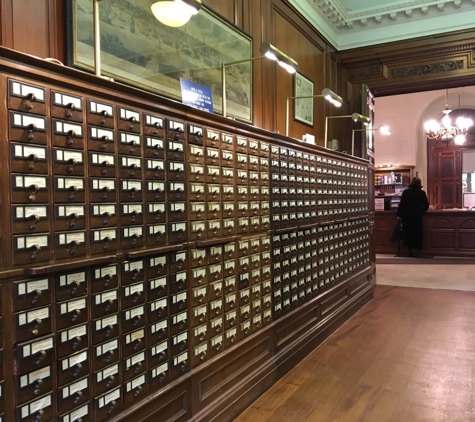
<point>350,24</point>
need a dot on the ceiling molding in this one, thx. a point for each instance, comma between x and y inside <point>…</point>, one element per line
<point>348,24</point>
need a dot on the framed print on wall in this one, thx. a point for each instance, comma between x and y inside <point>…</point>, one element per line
<point>303,109</point>
<point>139,50</point>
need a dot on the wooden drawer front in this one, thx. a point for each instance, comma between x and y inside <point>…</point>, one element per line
<point>32,323</point>
<point>29,188</point>
<point>101,139</point>
<point>178,323</point>
<point>133,294</point>
<point>104,329</point>
<point>156,212</point>
<point>159,331</point>
<point>38,410</point>
<point>81,413</point>
<point>69,189</point>
<point>104,303</point>
<point>135,389</point>
<point>229,284</point>
<point>157,266</point>
<point>70,244</point>
<point>27,97</point>
<point>178,282</point>
<point>99,113</point>
<point>199,354</point>
<point>69,217</point>
<point>128,119</point>
<point>133,318</point>
<point>131,190</point>
<point>178,261</point>
<point>66,106</point>
<point>155,191</point>
<point>103,215</point>
<point>216,345</point>
<point>104,278</point>
<point>34,384</point>
<point>133,271</point>
<point>199,315</point>
<point>29,294</point>
<point>71,285</point>
<point>175,130</point>
<point>230,319</point>
<point>155,148</point>
<point>155,169</point>
<point>105,354</point>
<point>72,340</point>
<point>158,310</point>
<point>67,134</point>
<point>72,312</point>
<point>230,337</point>
<point>73,395</point>
<point>216,325</point>
<point>154,125</point>
<point>73,367</point>
<point>176,211</point>
<point>105,379</point>
<point>30,219</point>
<point>104,240</point>
<point>33,355</point>
<point>102,190</point>
<point>134,342</point>
<point>28,128</point>
<point>102,164</point>
<point>68,162</point>
<point>180,365</point>
<point>130,143</point>
<point>26,158</point>
<point>107,405</point>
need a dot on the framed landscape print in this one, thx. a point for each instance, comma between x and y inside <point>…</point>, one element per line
<point>303,109</point>
<point>139,50</point>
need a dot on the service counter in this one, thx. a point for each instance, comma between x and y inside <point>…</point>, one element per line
<point>446,233</point>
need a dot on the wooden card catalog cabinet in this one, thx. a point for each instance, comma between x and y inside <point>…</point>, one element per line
<point>143,246</point>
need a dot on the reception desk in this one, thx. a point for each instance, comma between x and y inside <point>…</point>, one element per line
<point>446,233</point>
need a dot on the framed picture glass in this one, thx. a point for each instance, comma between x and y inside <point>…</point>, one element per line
<point>139,50</point>
<point>303,109</point>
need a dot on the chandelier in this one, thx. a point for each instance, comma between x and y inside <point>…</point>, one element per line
<point>446,132</point>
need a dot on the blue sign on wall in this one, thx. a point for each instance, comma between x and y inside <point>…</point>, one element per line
<point>196,95</point>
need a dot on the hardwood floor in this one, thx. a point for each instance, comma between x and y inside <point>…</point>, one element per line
<point>407,356</point>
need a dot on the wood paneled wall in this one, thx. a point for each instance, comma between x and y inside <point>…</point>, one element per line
<point>42,32</point>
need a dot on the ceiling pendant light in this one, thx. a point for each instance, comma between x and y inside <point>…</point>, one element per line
<point>175,13</point>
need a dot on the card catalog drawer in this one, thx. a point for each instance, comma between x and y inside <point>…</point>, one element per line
<point>133,318</point>
<point>102,190</point>
<point>130,143</point>
<point>132,237</point>
<point>199,315</point>
<point>38,410</point>
<point>179,343</point>
<point>157,310</point>
<point>73,395</point>
<point>29,294</point>
<point>70,244</point>
<point>156,234</point>
<point>128,119</point>
<point>216,345</point>
<point>29,189</point>
<point>133,295</point>
<point>99,113</point>
<point>107,405</point>
<point>133,342</point>
<point>135,389</point>
<point>215,308</point>
<point>104,329</point>
<point>130,167</point>
<point>32,323</point>
<point>131,214</point>
<point>230,337</point>
<point>104,303</point>
<point>216,325</point>
<point>241,144</point>
<point>200,354</point>
<point>244,329</point>
<point>130,190</point>
<point>33,384</point>
<point>160,330</point>
<point>33,355</point>
<point>104,278</point>
<point>81,413</point>
<point>178,282</point>
<point>178,302</point>
<point>155,148</point>
<point>71,340</point>
<point>24,96</point>
<point>178,323</point>
<point>104,240</point>
<point>230,319</point>
<point>101,139</point>
<point>68,162</point>
<point>70,217</point>
<point>28,158</point>
<point>71,312</point>
<point>177,232</point>
<point>157,266</point>
<point>159,376</point>
<point>157,288</point>
<point>179,365</point>
<point>106,379</point>
<point>73,367</point>
<point>198,256</point>
<point>66,106</point>
<point>67,134</point>
<point>198,276</point>
<point>71,285</point>
<point>199,334</point>
<point>199,295</point>
<point>102,165</point>
<point>105,354</point>
<point>195,135</point>
<point>28,128</point>
<point>30,218</point>
<point>196,154</point>
<point>69,189</point>
<point>229,285</point>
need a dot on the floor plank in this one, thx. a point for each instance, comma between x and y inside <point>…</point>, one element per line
<point>408,355</point>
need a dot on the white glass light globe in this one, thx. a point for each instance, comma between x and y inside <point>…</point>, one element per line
<point>172,13</point>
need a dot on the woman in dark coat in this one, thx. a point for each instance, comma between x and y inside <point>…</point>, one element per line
<point>413,204</point>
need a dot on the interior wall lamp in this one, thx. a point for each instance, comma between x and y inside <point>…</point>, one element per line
<point>267,50</point>
<point>384,130</point>
<point>175,13</point>
<point>326,93</point>
<point>355,116</point>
